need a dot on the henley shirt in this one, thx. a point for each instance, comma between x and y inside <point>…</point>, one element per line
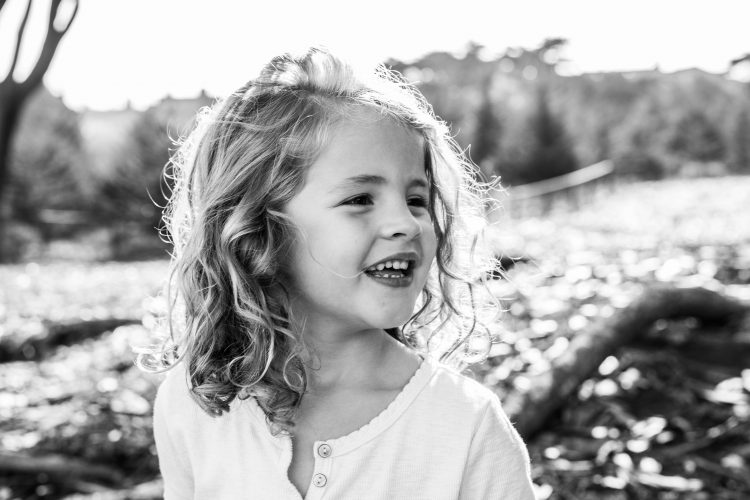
<point>444,437</point>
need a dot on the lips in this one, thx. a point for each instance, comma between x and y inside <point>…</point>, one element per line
<point>396,270</point>
<point>389,275</point>
<point>391,279</point>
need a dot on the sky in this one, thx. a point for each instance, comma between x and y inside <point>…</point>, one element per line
<point>138,51</point>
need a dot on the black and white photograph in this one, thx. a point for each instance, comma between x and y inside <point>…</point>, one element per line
<point>404,250</point>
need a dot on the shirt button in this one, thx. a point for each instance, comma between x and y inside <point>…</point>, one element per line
<point>324,450</point>
<point>319,480</point>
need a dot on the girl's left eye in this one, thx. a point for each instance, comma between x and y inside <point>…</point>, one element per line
<point>418,201</point>
<point>366,199</point>
<point>363,199</point>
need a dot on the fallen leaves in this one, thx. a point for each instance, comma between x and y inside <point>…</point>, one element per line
<point>664,418</point>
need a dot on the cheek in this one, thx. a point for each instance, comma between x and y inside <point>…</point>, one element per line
<point>327,240</point>
<point>429,241</point>
<point>322,250</point>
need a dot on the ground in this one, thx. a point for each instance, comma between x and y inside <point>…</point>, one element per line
<point>665,417</point>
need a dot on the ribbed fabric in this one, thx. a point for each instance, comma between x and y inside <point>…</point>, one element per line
<point>444,437</point>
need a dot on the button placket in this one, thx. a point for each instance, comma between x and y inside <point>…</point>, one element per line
<point>321,478</point>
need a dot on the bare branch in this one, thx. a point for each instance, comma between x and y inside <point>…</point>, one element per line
<point>70,21</point>
<point>19,38</point>
<point>54,6</point>
<point>51,40</point>
<point>741,59</point>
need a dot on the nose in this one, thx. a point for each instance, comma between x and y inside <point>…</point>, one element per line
<point>401,223</point>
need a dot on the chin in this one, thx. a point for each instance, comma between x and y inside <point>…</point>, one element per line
<point>395,319</point>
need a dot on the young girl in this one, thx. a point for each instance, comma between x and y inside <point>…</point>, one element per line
<point>327,263</point>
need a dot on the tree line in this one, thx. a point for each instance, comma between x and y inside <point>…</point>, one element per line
<point>518,118</point>
<point>523,121</point>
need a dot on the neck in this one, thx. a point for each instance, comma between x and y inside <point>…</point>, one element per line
<point>341,361</point>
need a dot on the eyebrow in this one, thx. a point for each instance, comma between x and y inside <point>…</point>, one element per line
<point>365,179</point>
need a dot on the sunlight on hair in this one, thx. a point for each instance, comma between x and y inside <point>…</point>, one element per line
<point>227,316</point>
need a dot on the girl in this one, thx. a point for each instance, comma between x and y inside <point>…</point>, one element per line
<point>326,259</point>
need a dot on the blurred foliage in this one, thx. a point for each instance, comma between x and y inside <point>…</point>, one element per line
<point>551,151</point>
<point>134,190</point>
<point>661,122</point>
<point>636,164</point>
<point>501,108</point>
<point>695,137</point>
<point>739,140</point>
<point>485,147</point>
<point>518,115</point>
<point>49,169</point>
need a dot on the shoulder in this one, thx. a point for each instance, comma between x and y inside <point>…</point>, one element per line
<point>457,389</point>
<point>459,398</point>
<point>173,392</point>
<point>469,408</point>
<point>174,405</point>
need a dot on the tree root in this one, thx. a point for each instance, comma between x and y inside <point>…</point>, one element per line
<point>549,390</point>
<point>36,347</point>
<point>62,466</point>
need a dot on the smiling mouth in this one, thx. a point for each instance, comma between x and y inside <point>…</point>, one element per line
<point>392,277</point>
<point>390,273</point>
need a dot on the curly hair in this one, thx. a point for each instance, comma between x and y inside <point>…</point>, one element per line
<point>228,315</point>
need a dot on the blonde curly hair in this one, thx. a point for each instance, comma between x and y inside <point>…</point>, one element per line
<point>228,313</point>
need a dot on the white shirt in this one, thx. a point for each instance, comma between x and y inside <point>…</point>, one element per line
<point>444,437</point>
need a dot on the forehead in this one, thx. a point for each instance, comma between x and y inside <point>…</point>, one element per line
<point>368,143</point>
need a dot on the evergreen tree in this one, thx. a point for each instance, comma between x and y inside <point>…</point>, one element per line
<point>739,154</point>
<point>136,189</point>
<point>46,160</point>
<point>696,138</point>
<point>487,133</point>
<point>553,154</point>
<point>638,141</point>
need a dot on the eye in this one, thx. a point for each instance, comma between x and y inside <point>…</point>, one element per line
<point>418,201</point>
<point>362,199</point>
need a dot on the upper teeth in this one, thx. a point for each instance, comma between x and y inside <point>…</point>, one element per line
<point>394,264</point>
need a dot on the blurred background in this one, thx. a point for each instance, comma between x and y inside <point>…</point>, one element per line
<point>621,137</point>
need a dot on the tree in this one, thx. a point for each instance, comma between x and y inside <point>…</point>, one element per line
<point>535,144</point>
<point>484,148</point>
<point>46,159</point>
<point>739,154</point>
<point>637,140</point>
<point>14,93</point>
<point>544,149</point>
<point>696,138</point>
<point>134,189</point>
<point>450,85</point>
<point>553,155</point>
<point>131,196</point>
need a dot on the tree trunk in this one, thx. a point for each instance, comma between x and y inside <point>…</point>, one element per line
<point>549,391</point>
<point>13,93</point>
<point>9,110</point>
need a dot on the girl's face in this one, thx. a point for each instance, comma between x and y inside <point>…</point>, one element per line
<point>364,206</point>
